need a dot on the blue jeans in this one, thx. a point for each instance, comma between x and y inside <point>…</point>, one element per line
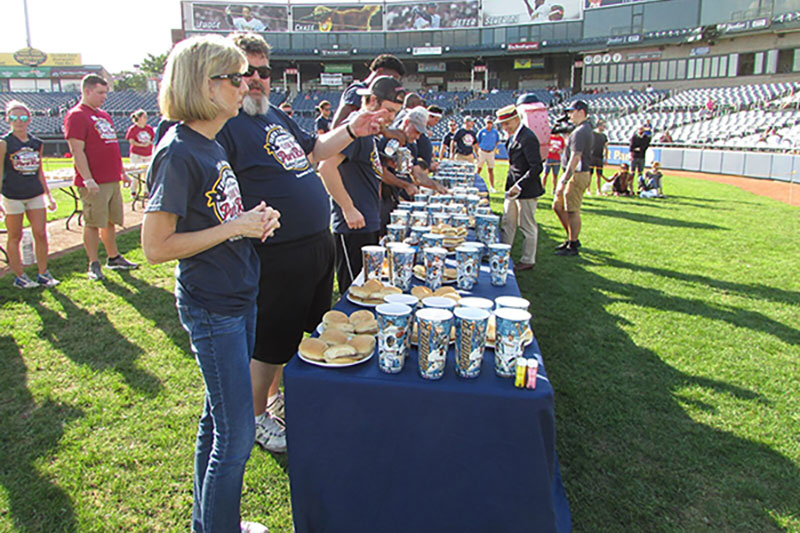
<point>222,346</point>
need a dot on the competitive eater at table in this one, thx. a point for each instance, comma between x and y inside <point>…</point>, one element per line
<point>352,178</point>
<point>194,214</point>
<point>273,159</point>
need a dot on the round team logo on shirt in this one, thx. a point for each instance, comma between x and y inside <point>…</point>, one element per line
<point>468,139</point>
<point>224,197</point>
<point>282,145</point>
<point>104,129</point>
<point>143,137</point>
<point>25,160</point>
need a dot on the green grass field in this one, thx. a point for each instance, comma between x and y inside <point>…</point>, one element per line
<point>672,343</point>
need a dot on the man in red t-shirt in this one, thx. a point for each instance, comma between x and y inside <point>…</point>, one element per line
<point>553,163</point>
<point>98,170</point>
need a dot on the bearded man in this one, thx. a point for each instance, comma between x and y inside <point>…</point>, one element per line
<point>274,161</point>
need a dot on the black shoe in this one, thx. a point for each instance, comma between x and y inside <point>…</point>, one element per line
<point>565,244</point>
<point>569,250</point>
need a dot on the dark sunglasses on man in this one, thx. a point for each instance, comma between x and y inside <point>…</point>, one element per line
<point>23,118</point>
<point>263,72</point>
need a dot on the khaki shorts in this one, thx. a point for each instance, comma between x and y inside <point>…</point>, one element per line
<point>103,207</point>
<point>573,193</point>
<point>485,157</point>
<point>463,157</point>
<point>18,207</point>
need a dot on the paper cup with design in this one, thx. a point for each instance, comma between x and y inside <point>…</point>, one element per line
<point>434,266</point>
<point>422,197</point>
<point>459,221</point>
<point>498,263</point>
<point>441,218</point>
<point>439,302</point>
<point>402,267</point>
<point>372,257</point>
<point>472,204</point>
<point>509,339</point>
<point>476,302</point>
<point>394,328</point>
<point>431,240</point>
<point>409,300</point>
<point>486,228</point>
<point>433,330</point>
<point>405,206</point>
<point>481,210</point>
<point>399,217</point>
<point>471,324</point>
<point>468,259</point>
<point>396,232</point>
<point>418,218</point>
<point>511,302</point>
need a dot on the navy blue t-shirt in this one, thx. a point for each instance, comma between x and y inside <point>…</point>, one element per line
<point>190,177</point>
<point>21,168</point>
<point>464,140</point>
<point>361,173</point>
<point>425,149</point>
<point>323,124</point>
<point>349,96</point>
<point>448,138</point>
<point>268,154</point>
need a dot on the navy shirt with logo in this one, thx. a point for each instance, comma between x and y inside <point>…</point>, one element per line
<point>268,154</point>
<point>464,139</point>
<point>361,173</point>
<point>425,150</point>
<point>21,168</point>
<point>190,177</point>
<point>448,138</point>
<point>350,96</point>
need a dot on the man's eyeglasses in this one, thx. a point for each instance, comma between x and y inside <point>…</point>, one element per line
<point>263,72</point>
<point>23,118</point>
<point>235,78</point>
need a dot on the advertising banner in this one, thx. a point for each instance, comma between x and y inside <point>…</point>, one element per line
<point>439,66</point>
<point>353,17</point>
<point>522,47</point>
<point>590,4</point>
<point>24,72</point>
<point>432,15</point>
<point>331,79</point>
<point>342,68</point>
<point>226,18</point>
<point>50,60</point>
<point>530,11</point>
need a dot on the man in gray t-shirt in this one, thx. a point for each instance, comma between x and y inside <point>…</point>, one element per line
<point>577,161</point>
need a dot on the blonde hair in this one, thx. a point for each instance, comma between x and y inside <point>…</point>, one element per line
<point>16,104</point>
<point>184,93</point>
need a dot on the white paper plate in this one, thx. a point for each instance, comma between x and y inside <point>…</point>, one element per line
<point>331,365</point>
<point>351,299</point>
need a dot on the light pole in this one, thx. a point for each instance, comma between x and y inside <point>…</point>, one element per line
<point>27,26</point>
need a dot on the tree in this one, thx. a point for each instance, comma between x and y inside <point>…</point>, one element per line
<point>153,66</point>
<point>127,80</point>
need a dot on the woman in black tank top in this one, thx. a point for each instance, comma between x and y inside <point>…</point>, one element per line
<point>24,192</point>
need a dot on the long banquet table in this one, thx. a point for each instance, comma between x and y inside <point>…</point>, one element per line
<point>377,453</point>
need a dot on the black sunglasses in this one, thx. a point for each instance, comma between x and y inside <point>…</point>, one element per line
<point>235,78</point>
<point>263,72</point>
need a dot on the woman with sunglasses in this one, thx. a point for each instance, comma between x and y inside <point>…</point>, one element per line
<point>194,214</point>
<point>24,191</point>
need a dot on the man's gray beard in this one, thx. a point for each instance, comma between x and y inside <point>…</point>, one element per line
<point>255,105</point>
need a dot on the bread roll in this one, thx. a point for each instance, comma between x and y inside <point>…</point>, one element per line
<point>332,337</point>
<point>364,344</point>
<point>334,317</point>
<point>444,291</point>
<point>450,273</point>
<point>419,270</point>
<point>421,291</point>
<point>346,327</point>
<point>312,348</point>
<point>339,352</point>
<point>373,285</point>
<point>361,316</point>
<point>359,292</point>
<point>368,326</point>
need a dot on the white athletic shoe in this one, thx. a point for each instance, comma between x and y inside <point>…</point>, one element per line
<point>253,527</point>
<point>269,434</point>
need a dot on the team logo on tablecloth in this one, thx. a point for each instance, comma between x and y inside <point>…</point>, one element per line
<point>224,197</point>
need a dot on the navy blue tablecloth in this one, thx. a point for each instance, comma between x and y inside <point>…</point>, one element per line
<point>376,453</point>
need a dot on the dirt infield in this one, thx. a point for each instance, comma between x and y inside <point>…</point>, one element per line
<point>64,240</point>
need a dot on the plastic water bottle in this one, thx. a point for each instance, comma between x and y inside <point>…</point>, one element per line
<point>28,257</point>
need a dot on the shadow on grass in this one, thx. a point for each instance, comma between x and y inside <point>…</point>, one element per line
<point>95,343</point>
<point>28,432</point>
<point>154,303</point>
<point>632,458</point>
<point>649,219</point>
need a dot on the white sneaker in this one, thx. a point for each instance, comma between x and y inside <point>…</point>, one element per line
<point>277,407</point>
<point>253,527</point>
<point>492,189</point>
<point>269,434</point>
